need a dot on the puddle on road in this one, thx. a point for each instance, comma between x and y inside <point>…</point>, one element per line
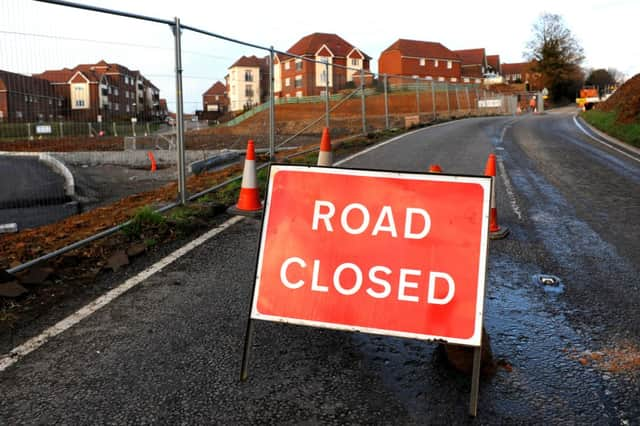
<point>529,333</point>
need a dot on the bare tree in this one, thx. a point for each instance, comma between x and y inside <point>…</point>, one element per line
<point>556,55</point>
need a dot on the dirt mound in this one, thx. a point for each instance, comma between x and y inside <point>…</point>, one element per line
<point>625,100</point>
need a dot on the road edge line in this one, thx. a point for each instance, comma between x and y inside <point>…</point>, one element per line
<point>36,342</point>
<point>582,129</point>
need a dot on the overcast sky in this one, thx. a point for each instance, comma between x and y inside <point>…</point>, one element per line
<point>36,36</point>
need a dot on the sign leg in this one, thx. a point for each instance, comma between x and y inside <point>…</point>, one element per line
<point>248,341</point>
<point>475,381</point>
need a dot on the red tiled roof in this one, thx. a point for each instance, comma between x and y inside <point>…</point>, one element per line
<point>494,61</point>
<point>56,76</point>
<point>422,49</point>
<point>516,68</point>
<point>217,89</point>
<point>310,44</point>
<point>250,61</point>
<point>471,56</point>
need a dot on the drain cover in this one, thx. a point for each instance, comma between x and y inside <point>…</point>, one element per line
<point>547,280</point>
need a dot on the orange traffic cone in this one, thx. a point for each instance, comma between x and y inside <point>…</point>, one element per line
<point>154,165</point>
<point>496,232</point>
<point>249,201</point>
<point>435,168</point>
<point>325,157</point>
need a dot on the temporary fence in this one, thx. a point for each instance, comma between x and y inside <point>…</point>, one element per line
<point>82,118</point>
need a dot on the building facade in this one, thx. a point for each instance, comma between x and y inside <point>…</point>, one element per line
<point>28,99</point>
<point>105,91</point>
<point>247,82</point>
<point>304,73</point>
<point>473,64</point>
<point>419,59</point>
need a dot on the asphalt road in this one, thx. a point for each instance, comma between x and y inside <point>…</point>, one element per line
<point>169,350</point>
<point>31,193</point>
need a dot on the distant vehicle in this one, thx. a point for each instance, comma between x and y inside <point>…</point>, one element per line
<point>170,121</point>
<point>589,96</point>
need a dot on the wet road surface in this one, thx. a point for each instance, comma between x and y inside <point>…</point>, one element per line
<point>168,351</point>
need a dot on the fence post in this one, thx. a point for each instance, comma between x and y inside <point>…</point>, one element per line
<point>364,106</point>
<point>148,129</point>
<point>89,125</point>
<point>29,131</point>
<point>61,130</point>
<point>272,106</point>
<point>182,187</point>
<point>466,93</point>
<point>386,103</point>
<point>326,94</point>
<point>477,99</point>
<point>418,98</point>
<point>115,129</point>
<point>457,98</point>
<point>446,89</point>
<point>433,101</point>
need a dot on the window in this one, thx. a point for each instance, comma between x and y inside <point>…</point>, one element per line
<point>115,91</point>
<point>126,94</point>
<point>298,64</point>
<point>126,80</point>
<point>217,97</point>
<point>298,81</point>
<point>453,79</point>
<point>287,82</point>
<point>127,109</point>
<point>355,62</point>
<point>323,76</point>
<point>435,63</point>
<point>286,65</point>
<point>248,75</point>
<point>423,62</point>
<point>449,64</point>
<point>440,78</point>
<point>248,91</point>
<point>79,103</point>
<point>117,107</point>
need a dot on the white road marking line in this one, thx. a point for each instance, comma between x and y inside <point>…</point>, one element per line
<point>509,188</point>
<point>505,180</point>
<point>34,343</point>
<point>575,120</point>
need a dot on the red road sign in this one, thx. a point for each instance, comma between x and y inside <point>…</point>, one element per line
<point>388,253</point>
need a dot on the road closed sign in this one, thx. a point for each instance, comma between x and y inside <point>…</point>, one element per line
<point>390,253</point>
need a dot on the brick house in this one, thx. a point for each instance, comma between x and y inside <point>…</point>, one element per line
<point>474,64</point>
<point>28,99</point>
<point>522,72</point>
<point>296,76</point>
<point>247,82</point>
<point>215,99</point>
<point>493,64</point>
<point>423,59</point>
<point>108,91</point>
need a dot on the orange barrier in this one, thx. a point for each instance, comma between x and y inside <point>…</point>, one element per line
<point>435,168</point>
<point>496,232</point>
<point>154,165</point>
<point>249,199</point>
<point>325,157</point>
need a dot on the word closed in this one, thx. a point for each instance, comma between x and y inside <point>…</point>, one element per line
<point>389,253</point>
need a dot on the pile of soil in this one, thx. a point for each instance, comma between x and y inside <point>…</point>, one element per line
<point>625,100</point>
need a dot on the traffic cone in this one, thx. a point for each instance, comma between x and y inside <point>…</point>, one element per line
<point>435,168</point>
<point>249,200</point>
<point>154,165</point>
<point>325,157</point>
<point>496,232</point>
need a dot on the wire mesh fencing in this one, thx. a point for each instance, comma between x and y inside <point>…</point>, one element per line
<point>127,117</point>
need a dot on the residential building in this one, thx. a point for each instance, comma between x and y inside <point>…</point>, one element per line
<point>474,64</point>
<point>305,73</point>
<point>247,82</point>
<point>104,91</point>
<point>215,99</point>
<point>28,99</point>
<point>419,59</point>
<point>523,73</point>
<point>493,64</point>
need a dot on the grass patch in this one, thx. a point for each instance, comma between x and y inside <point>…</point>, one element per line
<point>144,219</point>
<point>606,122</point>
